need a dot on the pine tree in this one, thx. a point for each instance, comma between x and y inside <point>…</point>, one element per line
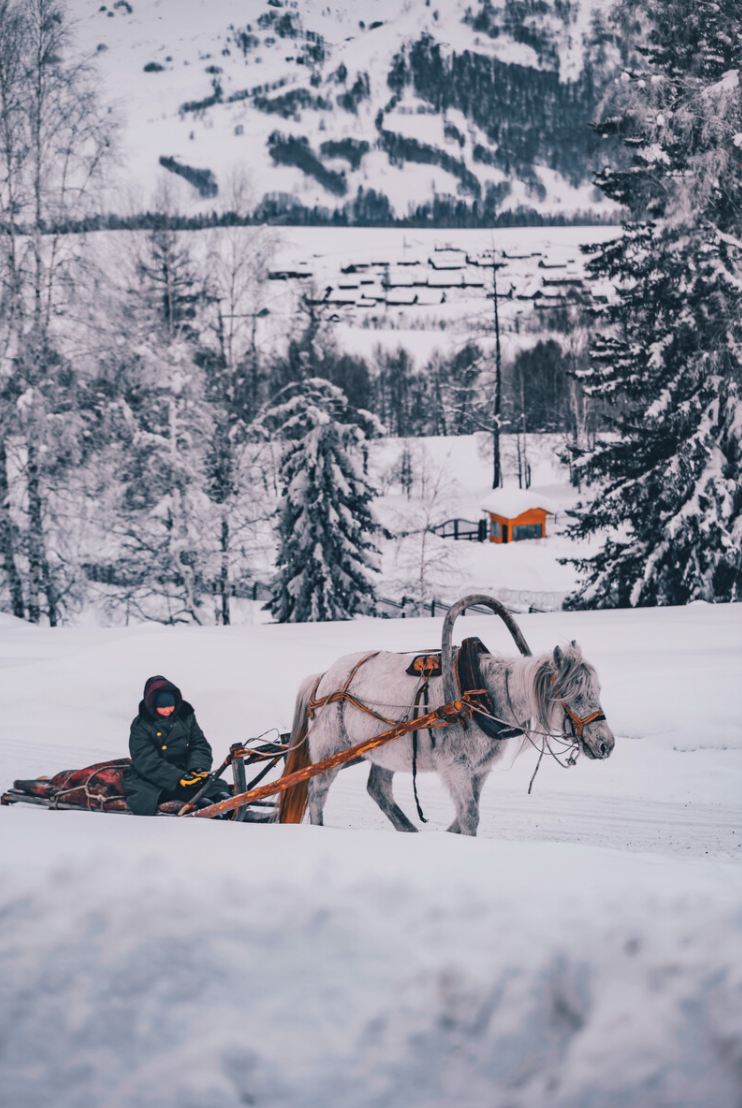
<point>326,529</point>
<point>667,355</point>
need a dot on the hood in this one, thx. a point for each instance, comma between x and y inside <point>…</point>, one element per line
<point>154,685</point>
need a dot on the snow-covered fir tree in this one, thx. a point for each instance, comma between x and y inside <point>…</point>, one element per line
<point>327,556</point>
<point>667,355</point>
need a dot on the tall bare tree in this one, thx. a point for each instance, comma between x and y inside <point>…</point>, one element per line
<point>238,260</point>
<point>54,139</point>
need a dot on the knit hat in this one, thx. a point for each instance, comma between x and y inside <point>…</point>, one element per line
<point>164,698</point>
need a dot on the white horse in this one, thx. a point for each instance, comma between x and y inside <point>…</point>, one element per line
<point>553,696</point>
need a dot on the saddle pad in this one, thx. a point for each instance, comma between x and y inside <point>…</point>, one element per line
<point>427,665</point>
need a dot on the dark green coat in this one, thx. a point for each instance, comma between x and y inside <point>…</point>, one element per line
<point>161,750</point>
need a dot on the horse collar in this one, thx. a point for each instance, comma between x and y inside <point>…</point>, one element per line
<point>470,680</point>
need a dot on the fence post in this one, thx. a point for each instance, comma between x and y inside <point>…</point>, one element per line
<point>432,607</point>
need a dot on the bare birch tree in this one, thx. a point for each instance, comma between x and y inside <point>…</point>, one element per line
<point>237,266</point>
<point>54,141</point>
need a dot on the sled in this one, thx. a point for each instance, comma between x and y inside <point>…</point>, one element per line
<point>98,788</point>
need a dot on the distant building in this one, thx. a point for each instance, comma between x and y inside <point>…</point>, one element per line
<point>516,514</point>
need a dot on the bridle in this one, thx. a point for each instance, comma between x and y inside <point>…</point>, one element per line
<point>578,723</point>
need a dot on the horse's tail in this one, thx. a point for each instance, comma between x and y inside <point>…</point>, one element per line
<point>293,802</point>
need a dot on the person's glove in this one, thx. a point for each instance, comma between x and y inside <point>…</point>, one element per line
<point>192,778</point>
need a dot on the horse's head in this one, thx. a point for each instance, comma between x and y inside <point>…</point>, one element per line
<point>569,688</point>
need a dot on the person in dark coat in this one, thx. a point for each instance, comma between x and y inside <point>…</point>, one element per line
<point>170,756</point>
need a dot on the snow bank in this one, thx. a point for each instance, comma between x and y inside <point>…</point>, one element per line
<point>151,963</point>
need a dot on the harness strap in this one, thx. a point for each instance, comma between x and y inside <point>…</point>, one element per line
<point>581,722</point>
<point>420,695</point>
<point>344,695</point>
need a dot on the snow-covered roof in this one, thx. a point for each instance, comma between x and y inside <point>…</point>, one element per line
<point>512,502</point>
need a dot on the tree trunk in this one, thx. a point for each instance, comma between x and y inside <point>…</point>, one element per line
<point>39,568</point>
<point>15,587</point>
<point>526,477</point>
<point>224,569</point>
<point>497,404</point>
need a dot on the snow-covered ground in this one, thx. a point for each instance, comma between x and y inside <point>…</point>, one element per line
<point>584,951</point>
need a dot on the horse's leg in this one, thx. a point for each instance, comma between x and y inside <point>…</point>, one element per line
<point>478,783</point>
<point>318,789</point>
<point>465,788</point>
<point>380,789</point>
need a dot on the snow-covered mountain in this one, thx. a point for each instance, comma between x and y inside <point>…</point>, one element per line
<point>434,107</point>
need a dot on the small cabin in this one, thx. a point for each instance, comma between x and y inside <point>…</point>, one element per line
<point>515,515</point>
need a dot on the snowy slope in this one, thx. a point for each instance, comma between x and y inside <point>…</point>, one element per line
<point>582,953</point>
<point>208,84</point>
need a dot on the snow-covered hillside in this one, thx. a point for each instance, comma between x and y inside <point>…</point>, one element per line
<point>582,953</point>
<point>380,110</point>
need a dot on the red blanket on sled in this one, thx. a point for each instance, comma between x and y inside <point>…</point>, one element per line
<point>96,788</point>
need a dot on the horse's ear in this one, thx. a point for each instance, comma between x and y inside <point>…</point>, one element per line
<point>558,657</point>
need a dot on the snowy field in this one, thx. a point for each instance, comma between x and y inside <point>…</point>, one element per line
<point>424,290</point>
<point>582,953</point>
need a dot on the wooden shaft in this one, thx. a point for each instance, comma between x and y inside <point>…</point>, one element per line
<point>440,717</point>
<point>234,757</point>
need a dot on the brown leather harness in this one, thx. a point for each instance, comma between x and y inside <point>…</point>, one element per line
<point>423,666</point>
<point>579,723</point>
<point>344,695</point>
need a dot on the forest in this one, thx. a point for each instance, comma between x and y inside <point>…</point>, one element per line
<point>149,437</point>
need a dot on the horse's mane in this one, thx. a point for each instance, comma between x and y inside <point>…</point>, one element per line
<point>574,677</point>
